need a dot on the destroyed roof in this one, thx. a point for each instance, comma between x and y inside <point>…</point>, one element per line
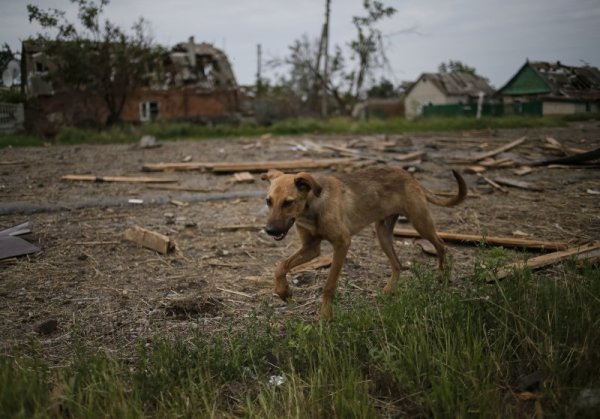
<point>199,58</point>
<point>458,83</point>
<point>557,81</point>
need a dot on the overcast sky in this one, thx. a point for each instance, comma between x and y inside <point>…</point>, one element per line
<point>495,37</point>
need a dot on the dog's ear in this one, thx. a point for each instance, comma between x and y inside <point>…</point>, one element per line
<point>305,182</point>
<point>271,174</point>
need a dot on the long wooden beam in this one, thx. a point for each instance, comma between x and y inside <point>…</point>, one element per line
<point>495,240</point>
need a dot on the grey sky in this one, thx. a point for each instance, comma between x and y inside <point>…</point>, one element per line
<point>495,37</point>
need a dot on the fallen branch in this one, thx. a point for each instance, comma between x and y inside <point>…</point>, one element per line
<point>130,179</point>
<point>588,251</point>
<point>494,240</point>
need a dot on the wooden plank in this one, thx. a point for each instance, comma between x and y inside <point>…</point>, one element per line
<point>178,167</point>
<point>588,251</point>
<point>128,179</point>
<point>263,166</point>
<point>498,150</point>
<point>494,240</point>
<point>150,239</point>
<point>259,166</point>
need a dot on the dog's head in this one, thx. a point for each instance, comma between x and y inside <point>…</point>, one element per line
<point>287,199</point>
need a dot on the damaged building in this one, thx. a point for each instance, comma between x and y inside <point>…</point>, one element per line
<point>544,88</point>
<point>191,82</point>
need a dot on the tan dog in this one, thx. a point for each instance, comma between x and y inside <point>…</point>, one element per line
<point>336,207</point>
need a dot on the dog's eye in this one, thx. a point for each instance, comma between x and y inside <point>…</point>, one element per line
<point>287,204</point>
<point>269,202</point>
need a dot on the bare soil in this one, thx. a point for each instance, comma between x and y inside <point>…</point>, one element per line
<point>89,285</point>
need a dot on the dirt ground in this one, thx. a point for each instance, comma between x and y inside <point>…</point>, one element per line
<point>90,285</point>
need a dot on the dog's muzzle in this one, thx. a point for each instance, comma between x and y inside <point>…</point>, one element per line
<point>279,233</point>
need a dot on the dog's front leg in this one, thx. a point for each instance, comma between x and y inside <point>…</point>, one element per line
<point>310,250</point>
<point>340,250</point>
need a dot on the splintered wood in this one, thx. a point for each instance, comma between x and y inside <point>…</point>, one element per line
<point>150,239</point>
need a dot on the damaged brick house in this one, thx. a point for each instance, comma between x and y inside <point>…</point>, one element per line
<point>193,82</point>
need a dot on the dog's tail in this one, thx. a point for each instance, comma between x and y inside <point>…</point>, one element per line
<point>450,202</point>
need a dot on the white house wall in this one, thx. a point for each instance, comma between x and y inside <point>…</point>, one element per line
<point>424,93</point>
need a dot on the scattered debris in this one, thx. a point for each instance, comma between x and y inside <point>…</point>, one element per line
<point>576,159</point>
<point>589,251</point>
<point>148,141</point>
<point>592,192</point>
<point>13,246</point>
<point>243,177</point>
<point>18,230</point>
<point>493,240</point>
<point>554,144</point>
<point>276,380</point>
<point>491,153</point>
<point>492,183</point>
<point>136,201</point>
<point>476,169</point>
<point>150,239</point>
<point>130,179</point>
<point>517,184</point>
<point>522,171</point>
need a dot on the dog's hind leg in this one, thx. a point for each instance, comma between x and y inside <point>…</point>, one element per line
<point>385,234</point>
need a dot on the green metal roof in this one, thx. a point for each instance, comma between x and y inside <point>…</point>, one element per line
<point>527,81</point>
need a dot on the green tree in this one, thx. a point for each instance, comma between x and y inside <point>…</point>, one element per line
<point>95,54</point>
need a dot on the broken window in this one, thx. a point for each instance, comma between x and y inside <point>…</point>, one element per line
<point>148,111</point>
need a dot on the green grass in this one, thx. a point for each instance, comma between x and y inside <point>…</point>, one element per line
<point>432,350</point>
<point>175,131</point>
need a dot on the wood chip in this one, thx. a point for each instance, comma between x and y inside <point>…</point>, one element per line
<point>522,171</point>
<point>243,177</point>
<point>498,150</point>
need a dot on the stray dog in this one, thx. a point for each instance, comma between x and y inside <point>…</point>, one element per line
<point>336,207</point>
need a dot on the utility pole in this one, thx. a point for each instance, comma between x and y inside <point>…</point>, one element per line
<point>326,63</point>
<point>258,82</point>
